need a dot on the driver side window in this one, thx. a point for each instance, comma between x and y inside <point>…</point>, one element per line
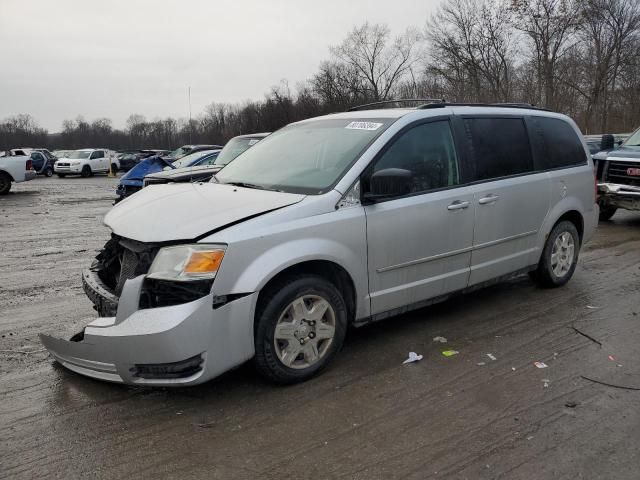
<point>428,152</point>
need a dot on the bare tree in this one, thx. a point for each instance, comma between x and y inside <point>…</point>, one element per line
<point>471,49</point>
<point>550,26</point>
<point>380,65</point>
<point>610,29</point>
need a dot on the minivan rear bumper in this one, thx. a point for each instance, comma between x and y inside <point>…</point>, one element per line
<point>168,346</point>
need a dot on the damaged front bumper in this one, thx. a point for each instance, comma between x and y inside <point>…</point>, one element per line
<point>619,196</point>
<point>179,345</point>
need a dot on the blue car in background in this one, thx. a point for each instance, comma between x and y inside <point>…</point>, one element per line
<point>132,181</point>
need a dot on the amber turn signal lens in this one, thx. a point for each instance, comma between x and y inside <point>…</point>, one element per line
<point>204,262</point>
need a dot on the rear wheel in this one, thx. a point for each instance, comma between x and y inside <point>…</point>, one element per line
<point>301,325</point>
<point>86,171</point>
<point>48,172</point>
<point>559,257</point>
<point>5,183</point>
<point>607,212</point>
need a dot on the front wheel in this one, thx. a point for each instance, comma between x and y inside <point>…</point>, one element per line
<point>300,327</point>
<point>86,171</point>
<point>559,257</point>
<point>48,172</point>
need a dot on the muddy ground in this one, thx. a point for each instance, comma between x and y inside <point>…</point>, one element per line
<point>366,417</point>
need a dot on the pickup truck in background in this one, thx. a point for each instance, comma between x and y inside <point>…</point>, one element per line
<point>618,175</point>
<point>15,169</point>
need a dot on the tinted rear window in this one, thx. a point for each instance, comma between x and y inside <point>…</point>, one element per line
<point>500,147</point>
<point>558,145</point>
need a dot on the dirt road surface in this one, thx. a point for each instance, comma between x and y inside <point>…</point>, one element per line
<point>368,416</point>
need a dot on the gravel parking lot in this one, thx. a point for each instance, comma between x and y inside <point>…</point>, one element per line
<point>368,416</point>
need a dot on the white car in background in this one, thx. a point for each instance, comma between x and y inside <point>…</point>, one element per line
<point>87,161</point>
<point>15,169</point>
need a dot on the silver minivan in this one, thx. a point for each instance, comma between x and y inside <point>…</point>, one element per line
<point>329,222</point>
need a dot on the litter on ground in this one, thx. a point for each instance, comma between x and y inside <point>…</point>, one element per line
<point>491,356</point>
<point>413,357</point>
<point>440,339</point>
<point>546,382</point>
<point>481,364</point>
<point>450,353</point>
<point>540,364</point>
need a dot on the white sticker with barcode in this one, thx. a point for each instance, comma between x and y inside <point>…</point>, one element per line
<point>364,125</point>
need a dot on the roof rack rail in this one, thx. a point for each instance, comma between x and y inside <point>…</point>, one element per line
<point>429,101</point>
<point>503,105</point>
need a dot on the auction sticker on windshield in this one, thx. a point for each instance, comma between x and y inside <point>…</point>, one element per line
<point>364,125</point>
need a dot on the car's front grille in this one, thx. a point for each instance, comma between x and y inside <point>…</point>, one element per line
<point>123,259</point>
<point>618,172</point>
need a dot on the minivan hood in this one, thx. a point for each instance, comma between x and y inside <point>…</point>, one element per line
<point>185,211</point>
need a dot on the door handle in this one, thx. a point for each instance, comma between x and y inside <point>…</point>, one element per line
<point>488,199</point>
<point>458,205</point>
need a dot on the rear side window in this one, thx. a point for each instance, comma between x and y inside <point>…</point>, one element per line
<point>500,147</point>
<point>97,154</point>
<point>558,145</point>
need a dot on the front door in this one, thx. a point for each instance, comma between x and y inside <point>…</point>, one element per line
<point>419,245</point>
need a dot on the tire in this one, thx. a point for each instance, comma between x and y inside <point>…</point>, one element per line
<point>62,175</point>
<point>276,357</point>
<point>5,183</point>
<point>86,171</point>
<point>48,172</point>
<point>607,212</point>
<point>563,243</point>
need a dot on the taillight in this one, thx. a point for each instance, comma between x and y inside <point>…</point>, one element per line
<point>29,165</point>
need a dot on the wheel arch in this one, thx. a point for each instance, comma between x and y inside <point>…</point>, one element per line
<point>6,172</point>
<point>327,269</point>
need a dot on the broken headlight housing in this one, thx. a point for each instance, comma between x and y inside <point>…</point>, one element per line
<point>186,263</point>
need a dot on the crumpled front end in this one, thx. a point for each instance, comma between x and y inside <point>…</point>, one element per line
<point>152,331</point>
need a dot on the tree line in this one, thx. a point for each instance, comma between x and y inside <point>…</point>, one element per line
<point>579,57</point>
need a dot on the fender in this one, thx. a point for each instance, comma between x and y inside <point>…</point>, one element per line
<point>280,257</point>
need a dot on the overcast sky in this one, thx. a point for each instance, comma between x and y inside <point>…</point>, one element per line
<point>111,58</point>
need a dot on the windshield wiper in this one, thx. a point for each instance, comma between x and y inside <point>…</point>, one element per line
<point>252,185</point>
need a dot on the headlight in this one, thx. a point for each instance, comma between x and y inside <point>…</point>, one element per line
<point>76,162</point>
<point>184,263</point>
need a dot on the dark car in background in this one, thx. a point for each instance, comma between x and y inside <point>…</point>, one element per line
<point>203,170</point>
<point>132,181</point>
<point>130,158</point>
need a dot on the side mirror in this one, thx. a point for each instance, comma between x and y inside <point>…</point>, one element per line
<point>607,142</point>
<point>388,183</point>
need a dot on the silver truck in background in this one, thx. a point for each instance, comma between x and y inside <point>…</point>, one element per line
<point>15,169</point>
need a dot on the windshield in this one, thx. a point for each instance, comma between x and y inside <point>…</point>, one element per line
<point>235,147</point>
<point>79,154</point>
<point>306,158</point>
<point>187,160</point>
<point>633,140</point>
<point>179,152</point>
